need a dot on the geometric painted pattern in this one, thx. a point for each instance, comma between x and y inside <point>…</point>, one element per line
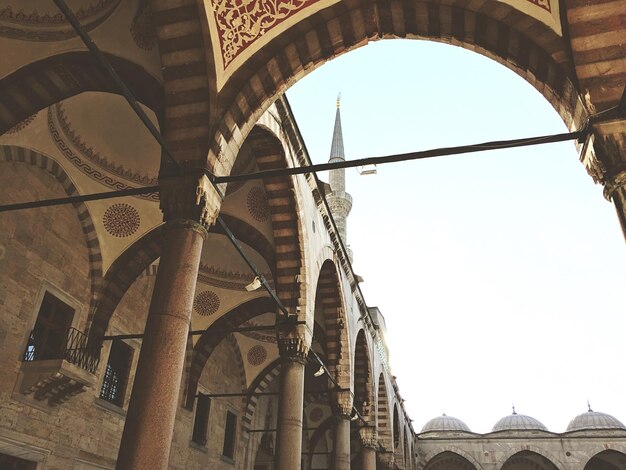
<point>257,204</point>
<point>121,220</point>
<point>257,355</point>
<point>206,303</point>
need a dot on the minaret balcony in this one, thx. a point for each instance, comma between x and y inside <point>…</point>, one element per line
<point>55,370</point>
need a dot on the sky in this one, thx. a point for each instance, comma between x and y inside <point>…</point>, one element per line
<point>500,274</point>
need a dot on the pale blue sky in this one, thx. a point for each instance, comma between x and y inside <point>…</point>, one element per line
<point>500,274</point>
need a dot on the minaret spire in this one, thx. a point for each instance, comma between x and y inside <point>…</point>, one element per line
<point>339,200</point>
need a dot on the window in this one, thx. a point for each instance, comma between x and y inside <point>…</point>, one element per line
<point>201,422</point>
<point>8,462</point>
<point>116,373</point>
<point>49,336</point>
<point>230,432</point>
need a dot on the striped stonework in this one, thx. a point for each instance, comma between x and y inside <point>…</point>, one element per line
<point>288,246</point>
<point>120,276</point>
<point>383,417</point>
<point>51,80</point>
<point>492,28</point>
<point>209,340</point>
<point>30,157</point>
<point>329,301</point>
<point>187,93</point>
<point>363,383</point>
<point>261,384</point>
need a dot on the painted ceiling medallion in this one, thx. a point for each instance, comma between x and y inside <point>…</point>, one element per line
<point>22,124</point>
<point>257,355</point>
<point>121,220</point>
<point>257,203</point>
<point>206,303</point>
<point>34,24</point>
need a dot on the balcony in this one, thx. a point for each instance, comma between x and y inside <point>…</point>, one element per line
<point>58,365</point>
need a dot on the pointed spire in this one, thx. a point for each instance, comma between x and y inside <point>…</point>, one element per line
<point>514,412</point>
<point>336,148</point>
<point>589,407</point>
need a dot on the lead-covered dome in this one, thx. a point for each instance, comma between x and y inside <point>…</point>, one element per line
<point>445,423</point>
<point>594,420</point>
<point>517,422</point>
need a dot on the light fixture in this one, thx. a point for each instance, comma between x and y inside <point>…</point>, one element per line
<point>254,285</point>
<point>355,417</point>
<point>367,170</point>
<point>320,372</point>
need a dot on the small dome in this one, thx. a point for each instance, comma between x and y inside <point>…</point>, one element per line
<point>594,420</point>
<point>516,422</point>
<point>445,423</point>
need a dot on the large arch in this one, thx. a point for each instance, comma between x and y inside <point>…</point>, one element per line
<point>607,460</point>
<point>528,460</point>
<point>449,460</point>
<point>363,377</point>
<point>330,310</point>
<point>211,338</point>
<point>47,81</point>
<point>31,157</point>
<point>518,41</point>
<point>383,417</point>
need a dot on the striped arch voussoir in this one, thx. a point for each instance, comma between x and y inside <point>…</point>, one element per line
<point>30,157</point>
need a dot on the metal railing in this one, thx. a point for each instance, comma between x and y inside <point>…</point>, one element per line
<point>68,344</point>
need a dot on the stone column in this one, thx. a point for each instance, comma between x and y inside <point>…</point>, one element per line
<point>293,351</point>
<point>369,443</point>
<point>190,206</point>
<point>386,460</point>
<point>342,406</point>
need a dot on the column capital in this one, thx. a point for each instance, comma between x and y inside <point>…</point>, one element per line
<point>342,403</point>
<point>604,155</point>
<point>368,437</point>
<point>293,348</point>
<point>190,199</point>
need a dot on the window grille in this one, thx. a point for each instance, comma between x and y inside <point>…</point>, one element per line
<point>116,373</point>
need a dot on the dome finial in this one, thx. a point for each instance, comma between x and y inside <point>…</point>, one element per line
<point>589,407</point>
<point>514,412</point>
<point>339,100</point>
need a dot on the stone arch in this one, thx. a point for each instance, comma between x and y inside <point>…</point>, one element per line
<point>121,275</point>
<point>30,157</point>
<point>363,376</point>
<point>452,449</point>
<point>504,34</point>
<point>330,304</point>
<point>397,437</point>
<point>210,339</point>
<point>383,417</point>
<point>609,459</point>
<point>286,225</point>
<point>449,460</point>
<point>529,460</point>
<point>318,434</point>
<point>61,76</point>
<point>260,384</point>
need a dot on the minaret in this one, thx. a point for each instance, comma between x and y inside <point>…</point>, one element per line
<point>339,200</point>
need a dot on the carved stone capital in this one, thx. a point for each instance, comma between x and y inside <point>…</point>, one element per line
<point>342,403</point>
<point>368,437</point>
<point>386,460</point>
<point>293,348</point>
<point>189,197</point>
<point>613,184</point>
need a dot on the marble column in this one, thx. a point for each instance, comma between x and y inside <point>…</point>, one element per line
<point>369,444</point>
<point>342,407</point>
<point>190,206</point>
<point>293,352</point>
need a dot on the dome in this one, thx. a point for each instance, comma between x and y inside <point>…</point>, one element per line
<point>517,422</point>
<point>594,420</point>
<point>445,423</point>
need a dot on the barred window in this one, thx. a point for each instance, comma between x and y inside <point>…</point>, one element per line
<point>201,422</point>
<point>230,432</point>
<point>116,373</point>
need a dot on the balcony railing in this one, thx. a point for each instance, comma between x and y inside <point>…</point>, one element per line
<point>68,344</point>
